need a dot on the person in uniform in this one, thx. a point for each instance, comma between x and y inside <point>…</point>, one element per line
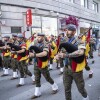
<point>91,49</point>
<point>14,61</point>
<point>42,66</point>
<point>53,48</point>
<point>22,58</point>
<point>61,60</point>
<point>6,56</point>
<point>14,37</point>
<point>73,70</point>
<point>1,48</point>
<point>99,50</point>
<point>82,39</point>
<point>1,60</point>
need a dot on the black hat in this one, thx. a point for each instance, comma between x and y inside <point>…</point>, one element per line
<point>41,34</point>
<point>71,27</point>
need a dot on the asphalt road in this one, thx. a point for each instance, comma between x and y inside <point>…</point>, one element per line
<point>8,90</point>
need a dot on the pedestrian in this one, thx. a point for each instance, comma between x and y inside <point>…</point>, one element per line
<point>61,60</point>
<point>22,60</point>
<point>82,39</point>
<point>1,48</point>
<point>14,61</point>
<point>99,49</point>
<point>72,69</point>
<point>6,56</point>
<point>91,44</point>
<point>42,66</point>
<point>53,48</point>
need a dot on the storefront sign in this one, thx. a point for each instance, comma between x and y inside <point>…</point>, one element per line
<point>29,17</point>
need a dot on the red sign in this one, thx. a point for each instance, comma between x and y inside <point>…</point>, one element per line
<point>29,17</point>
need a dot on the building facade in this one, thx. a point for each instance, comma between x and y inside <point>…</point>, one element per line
<point>46,15</point>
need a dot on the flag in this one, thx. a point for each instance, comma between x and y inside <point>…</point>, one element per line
<point>58,41</point>
<point>29,17</point>
<point>23,34</point>
<point>32,38</point>
<point>88,42</point>
<point>88,36</point>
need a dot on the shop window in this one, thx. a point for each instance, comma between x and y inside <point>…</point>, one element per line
<point>46,25</point>
<point>36,30</point>
<point>36,24</point>
<point>36,21</point>
<point>49,25</point>
<point>15,29</point>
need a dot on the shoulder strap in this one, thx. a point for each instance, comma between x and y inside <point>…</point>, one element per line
<point>74,41</point>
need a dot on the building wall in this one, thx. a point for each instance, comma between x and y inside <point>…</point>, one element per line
<point>13,11</point>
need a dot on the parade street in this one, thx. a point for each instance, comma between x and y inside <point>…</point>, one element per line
<point>9,91</point>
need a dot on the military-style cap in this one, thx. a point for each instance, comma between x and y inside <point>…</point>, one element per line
<point>20,36</point>
<point>15,35</point>
<point>40,34</point>
<point>71,27</point>
<point>6,36</point>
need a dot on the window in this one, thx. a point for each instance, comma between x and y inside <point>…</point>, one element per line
<point>84,3</point>
<point>36,21</point>
<point>45,25</point>
<point>72,1</point>
<point>15,29</point>
<point>95,6</point>
<point>49,25</point>
<point>36,24</point>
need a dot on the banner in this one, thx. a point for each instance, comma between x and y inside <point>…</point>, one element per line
<point>29,17</point>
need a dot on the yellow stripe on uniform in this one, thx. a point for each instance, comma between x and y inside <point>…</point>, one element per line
<point>81,66</point>
<point>44,64</point>
<point>23,58</point>
<point>54,52</point>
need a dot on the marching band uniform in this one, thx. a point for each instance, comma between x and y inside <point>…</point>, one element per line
<point>42,68</point>
<point>74,70</point>
<point>6,57</point>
